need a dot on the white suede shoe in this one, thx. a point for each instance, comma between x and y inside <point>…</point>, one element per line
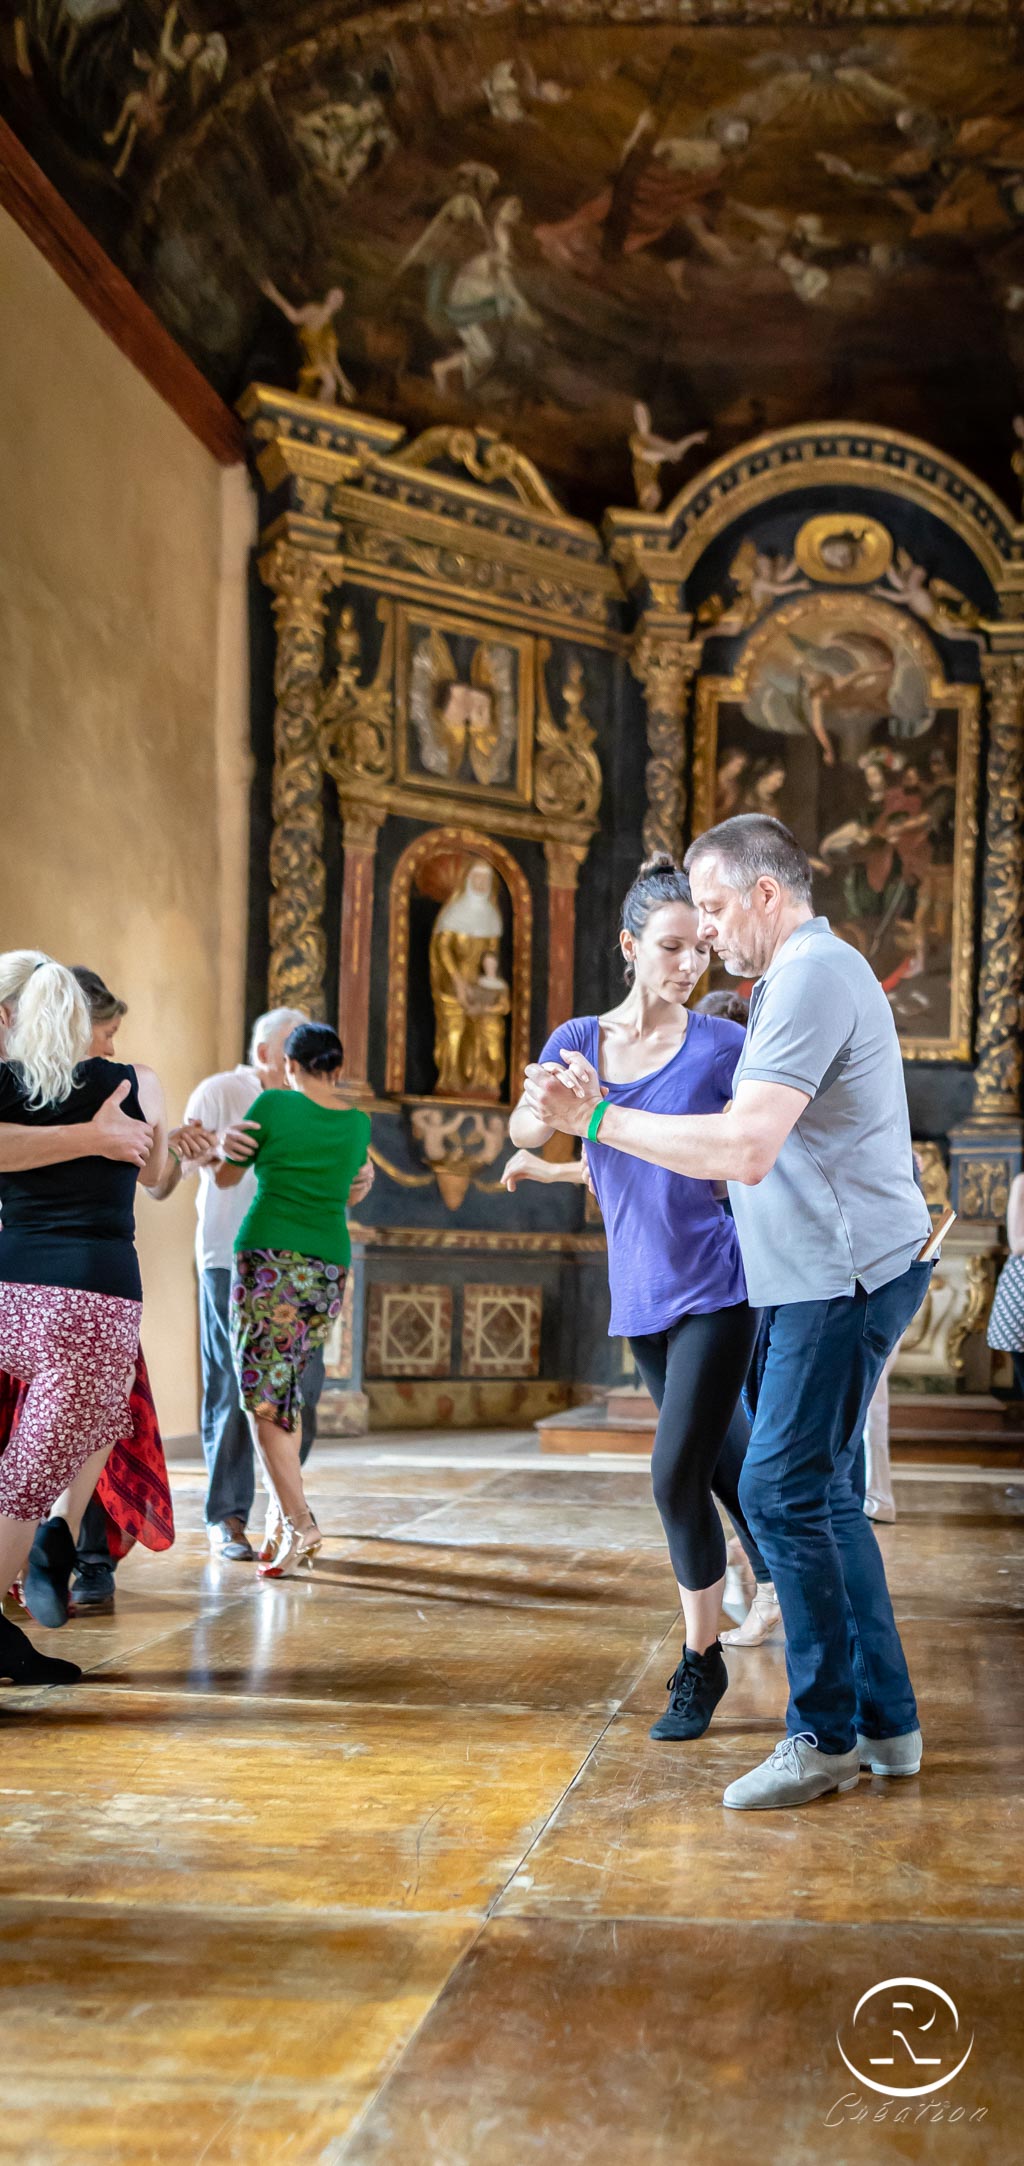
<point>794,1774</point>
<point>891,1755</point>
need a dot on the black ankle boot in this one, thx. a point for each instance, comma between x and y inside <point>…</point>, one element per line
<point>52,1560</point>
<point>23,1663</point>
<point>695,1689</point>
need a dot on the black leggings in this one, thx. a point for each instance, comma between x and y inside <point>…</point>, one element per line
<point>694,1372</point>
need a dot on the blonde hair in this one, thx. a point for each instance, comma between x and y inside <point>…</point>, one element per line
<point>51,1027</point>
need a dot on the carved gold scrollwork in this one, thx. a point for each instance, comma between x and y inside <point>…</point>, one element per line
<point>298,580</point>
<point>664,665</point>
<point>984,1188</point>
<point>486,457</point>
<point>458,1147</point>
<point>567,774</point>
<point>997,1079</point>
<point>934,1177</point>
<point>981,1286</point>
<point>357,720</point>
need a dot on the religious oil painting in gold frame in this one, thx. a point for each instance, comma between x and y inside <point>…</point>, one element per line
<point>840,721</point>
<point>465,707</point>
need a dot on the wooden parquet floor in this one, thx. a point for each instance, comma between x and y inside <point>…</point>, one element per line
<point>380,1867</point>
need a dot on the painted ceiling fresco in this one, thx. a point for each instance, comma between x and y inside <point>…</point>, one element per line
<point>537,217</point>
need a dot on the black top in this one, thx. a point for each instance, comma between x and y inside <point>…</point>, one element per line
<point>71,1224</point>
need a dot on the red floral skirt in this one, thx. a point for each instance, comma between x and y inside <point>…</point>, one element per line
<point>133,1488</point>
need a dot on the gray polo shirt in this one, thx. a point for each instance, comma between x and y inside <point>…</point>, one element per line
<point>840,1203</point>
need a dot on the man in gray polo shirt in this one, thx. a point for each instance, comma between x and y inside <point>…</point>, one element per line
<point>817,1153</point>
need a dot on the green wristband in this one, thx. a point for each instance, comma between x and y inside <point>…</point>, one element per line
<point>596,1118</point>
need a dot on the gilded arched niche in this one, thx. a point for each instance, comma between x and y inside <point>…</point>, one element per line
<point>447,852</point>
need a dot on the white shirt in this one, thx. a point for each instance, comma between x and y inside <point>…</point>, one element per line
<point>219,1102</point>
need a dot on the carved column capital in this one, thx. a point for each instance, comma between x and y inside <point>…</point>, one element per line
<point>298,580</point>
<point>361,823</point>
<point>998,1073</point>
<point>564,860</point>
<point>664,661</point>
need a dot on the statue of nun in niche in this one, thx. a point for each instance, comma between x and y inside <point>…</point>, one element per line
<point>471,998</point>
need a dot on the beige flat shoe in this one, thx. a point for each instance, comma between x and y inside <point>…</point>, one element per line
<point>760,1621</point>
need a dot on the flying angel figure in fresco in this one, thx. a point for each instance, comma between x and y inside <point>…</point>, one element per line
<point>649,453</point>
<point>202,58</point>
<point>321,375</point>
<point>471,282</point>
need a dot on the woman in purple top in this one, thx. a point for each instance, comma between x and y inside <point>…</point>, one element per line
<point>674,1268</point>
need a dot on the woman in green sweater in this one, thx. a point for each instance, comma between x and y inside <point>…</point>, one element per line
<point>292,1252</point>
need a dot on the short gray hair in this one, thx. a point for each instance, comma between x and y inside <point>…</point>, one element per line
<point>267,1026</point>
<point>752,846</point>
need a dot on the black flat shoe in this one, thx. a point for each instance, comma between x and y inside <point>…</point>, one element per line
<point>695,1689</point>
<point>52,1559</point>
<point>23,1663</point>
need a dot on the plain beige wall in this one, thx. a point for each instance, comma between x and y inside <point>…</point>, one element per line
<point>122,724</point>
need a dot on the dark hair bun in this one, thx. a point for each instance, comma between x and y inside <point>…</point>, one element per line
<point>661,862</point>
<point>315,1047</point>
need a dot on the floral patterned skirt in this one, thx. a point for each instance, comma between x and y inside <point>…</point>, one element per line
<point>282,1309</point>
<point>77,1353</point>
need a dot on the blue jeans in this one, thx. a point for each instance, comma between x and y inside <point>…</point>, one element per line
<point>226,1437</point>
<point>817,1366</point>
<point>224,1426</point>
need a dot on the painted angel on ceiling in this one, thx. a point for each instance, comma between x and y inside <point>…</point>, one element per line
<point>200,58</point>
<point>452,719</point>
<point>512,84</point>
<point>342,139</point>
<point>472,289</point>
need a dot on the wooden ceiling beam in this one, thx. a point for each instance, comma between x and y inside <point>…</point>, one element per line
<point>111,299</point>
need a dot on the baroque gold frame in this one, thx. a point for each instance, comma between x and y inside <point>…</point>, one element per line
<point>410,614</point>
<point>715,692</point>
<point>467,840</point>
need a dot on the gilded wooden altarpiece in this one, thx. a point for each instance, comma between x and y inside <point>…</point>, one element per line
<point>457,535</point>
<point>441,629</point>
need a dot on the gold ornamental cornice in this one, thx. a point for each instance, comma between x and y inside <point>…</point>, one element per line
<point>274,416</point>
<point>487,819</point>
<point>479,1242</point>
<point>501,563</point>
<point>845,455</point>
<point>344,483</point>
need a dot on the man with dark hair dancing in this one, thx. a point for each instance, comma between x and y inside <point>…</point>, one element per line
<point>817,1153</point>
